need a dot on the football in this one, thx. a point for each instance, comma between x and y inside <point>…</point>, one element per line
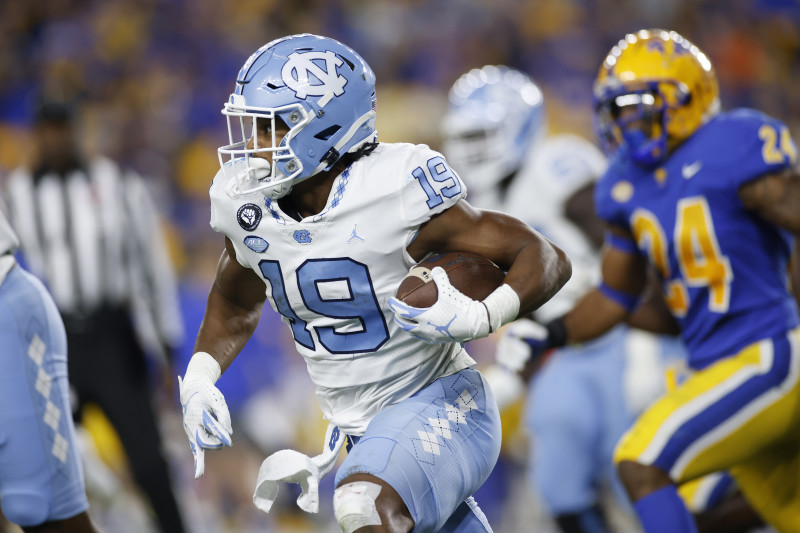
<point>472,274</point>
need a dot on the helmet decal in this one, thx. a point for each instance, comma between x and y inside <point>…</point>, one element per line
<point>655,46</point>
<point>302,68</point>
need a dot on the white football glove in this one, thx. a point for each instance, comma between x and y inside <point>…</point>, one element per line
<point>520,340</point>
<point>456,317</point>
<point>206,419</point>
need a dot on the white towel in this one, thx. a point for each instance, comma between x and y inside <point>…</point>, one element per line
<point>294,467</point>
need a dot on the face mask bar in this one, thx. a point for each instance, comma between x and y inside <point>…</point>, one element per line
<point>249,168</point>
<point>635,115</point>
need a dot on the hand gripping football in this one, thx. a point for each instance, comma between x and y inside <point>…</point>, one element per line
<point>473,275</point>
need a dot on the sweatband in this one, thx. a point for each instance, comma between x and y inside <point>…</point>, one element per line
<point>621,243</point>
<point>627,301</point>
<point>556,333</point>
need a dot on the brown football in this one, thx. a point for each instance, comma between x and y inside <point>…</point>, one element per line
<point>472,274</point>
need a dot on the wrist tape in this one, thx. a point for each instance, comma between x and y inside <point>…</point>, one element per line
<point>502,305</point>
<point>556,333</point>
<point>203,364</point>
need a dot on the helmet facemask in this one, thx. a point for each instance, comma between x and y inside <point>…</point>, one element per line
<point>256,159</point>
<point>637,115</point>
<point>479,153</point>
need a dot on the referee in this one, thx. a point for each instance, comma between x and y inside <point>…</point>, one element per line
<point>90,230</point>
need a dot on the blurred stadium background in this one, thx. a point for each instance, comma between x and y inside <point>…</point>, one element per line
<point>152,75</point>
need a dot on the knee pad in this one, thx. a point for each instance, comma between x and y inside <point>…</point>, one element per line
<point>354,505</point>
<point>24,509</point>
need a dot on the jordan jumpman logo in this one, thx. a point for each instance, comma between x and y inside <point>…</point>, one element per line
<point>355,235</point>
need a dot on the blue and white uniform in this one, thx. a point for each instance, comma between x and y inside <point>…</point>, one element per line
<point>427,422</point>
<point>40,472</point>
<point>582,402</point>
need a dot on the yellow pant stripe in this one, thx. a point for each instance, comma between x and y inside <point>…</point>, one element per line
<point>644,441</point>
<point>742,435</point>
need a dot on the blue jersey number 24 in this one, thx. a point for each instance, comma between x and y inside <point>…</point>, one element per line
<point>355,300</point>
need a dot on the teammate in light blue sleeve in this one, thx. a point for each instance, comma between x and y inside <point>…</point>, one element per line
<point>41,481</point>
<point>579,405</point>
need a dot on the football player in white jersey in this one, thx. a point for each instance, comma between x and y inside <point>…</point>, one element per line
<point>582,401</point>
<point>41,480</point>
<point>495,137</point>
<point>330,220</point>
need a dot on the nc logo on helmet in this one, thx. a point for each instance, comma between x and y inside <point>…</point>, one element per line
<point>303,74</point>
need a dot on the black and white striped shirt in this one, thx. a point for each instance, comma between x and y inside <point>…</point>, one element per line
<point>8,245</point>
<point>94,236</point>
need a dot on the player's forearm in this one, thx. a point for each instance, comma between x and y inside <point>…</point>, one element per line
<point>226,328</point>
<point>786,212</point>
<point>653,319</point>
<point>775,197</point>
<point>537,273</point>
<point>536,268</point>
<point>592,316</point>
<point>652,313</point>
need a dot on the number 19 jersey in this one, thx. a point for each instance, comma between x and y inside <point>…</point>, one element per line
<point>330,275</point>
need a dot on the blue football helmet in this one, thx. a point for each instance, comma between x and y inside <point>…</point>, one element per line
<point>318,88</point>
<point>496,114</point>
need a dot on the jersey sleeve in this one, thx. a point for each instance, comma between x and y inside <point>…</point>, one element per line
<point>764,145</point>
<point>609,194</point>
<point>429,187</point>
<point>221,218</point>
<point>574,163</point>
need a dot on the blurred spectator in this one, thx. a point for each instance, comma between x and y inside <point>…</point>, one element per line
<point>90,229</point>
<point>158,84</point>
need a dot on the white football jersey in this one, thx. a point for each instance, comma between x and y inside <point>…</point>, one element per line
<point>556,168</point>
<point>330,276</point>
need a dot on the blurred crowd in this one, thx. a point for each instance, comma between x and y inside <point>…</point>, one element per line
<point>151,77</point>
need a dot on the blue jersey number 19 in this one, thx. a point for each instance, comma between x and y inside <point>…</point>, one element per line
<point>336,288</point>
<point>441,173</point>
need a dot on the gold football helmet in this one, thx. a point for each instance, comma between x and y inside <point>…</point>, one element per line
<point>654,89</point>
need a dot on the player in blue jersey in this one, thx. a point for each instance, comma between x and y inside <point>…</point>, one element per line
<point>709,199</point>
